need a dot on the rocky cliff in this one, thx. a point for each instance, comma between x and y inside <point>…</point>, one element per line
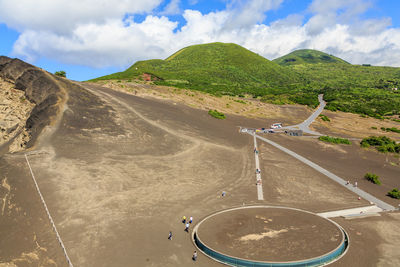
<point>30,99</point>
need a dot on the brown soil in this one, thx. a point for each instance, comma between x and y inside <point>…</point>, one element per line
<point>269,234</point>
<point>14,112</point>
<point>354,125</point>
<point>247,107</point>
<point>351,162</point>
<point>27,238</point>
<point>119,171</point>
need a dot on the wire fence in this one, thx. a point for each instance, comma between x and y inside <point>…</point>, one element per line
<point>48,215</point>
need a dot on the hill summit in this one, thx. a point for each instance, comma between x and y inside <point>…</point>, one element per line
<point>215,67</point>
<point>308,56</point>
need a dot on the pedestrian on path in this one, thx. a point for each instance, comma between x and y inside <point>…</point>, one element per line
<point>355,184</point>
<point>194,257</point>
<point>187,227</point>
<point>170,235</point>
<point>183,219</point>
<point>223,193</point>
<point>190,219</point>
<point>348,182</point>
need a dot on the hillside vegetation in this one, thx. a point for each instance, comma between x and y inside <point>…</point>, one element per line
<point>220,69</point>
<point>363,89</point>
<point>298,77</point>
<point>308,56</point>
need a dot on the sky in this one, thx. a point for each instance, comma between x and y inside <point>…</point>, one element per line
<point>91,38</point>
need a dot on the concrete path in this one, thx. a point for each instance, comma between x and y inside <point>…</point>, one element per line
<point>361,193</point>
<point>368,210</point>
<point>304,126</point>
<point>260,193</point>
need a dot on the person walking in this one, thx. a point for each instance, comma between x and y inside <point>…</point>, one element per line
<point>187,227</point>
<point>184,219</point>
<point>355,184</point>
<point>194,257</point>
<point>190,219</point>
<point>170,235</point>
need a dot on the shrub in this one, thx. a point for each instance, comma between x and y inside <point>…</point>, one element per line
<point>393,129</point>
<point>374,128</point>
<point>382,144</point>
<point>372,178</point>
<point>324,118</point>
<point>216,114</point>
<point>334,140</point>
<point>61,73</point>
<point>240,101</point>
<point>395,193</point>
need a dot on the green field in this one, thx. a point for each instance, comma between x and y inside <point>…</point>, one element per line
<point>229,69</point>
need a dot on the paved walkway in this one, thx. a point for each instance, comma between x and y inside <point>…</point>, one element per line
<point>260,194</point>
<point>304,126</point>
<point>361,193</point>
<point>351,212</point>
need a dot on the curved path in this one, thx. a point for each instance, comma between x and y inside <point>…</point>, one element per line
<point>304,126</point>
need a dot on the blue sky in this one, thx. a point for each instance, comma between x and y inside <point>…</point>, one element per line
<point>96,37</point>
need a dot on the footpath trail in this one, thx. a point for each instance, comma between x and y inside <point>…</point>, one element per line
<point>367,211</point>
<point>304,126</point>
<point>381,204</point>
<point>260,194</point>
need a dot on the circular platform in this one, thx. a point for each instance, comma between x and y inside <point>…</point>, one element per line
<point>268,236</point>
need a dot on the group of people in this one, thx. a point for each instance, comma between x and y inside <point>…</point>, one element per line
<point>187,223</point>
<point>355,183</point>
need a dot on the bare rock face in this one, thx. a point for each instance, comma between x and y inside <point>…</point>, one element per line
<point>29,100</point>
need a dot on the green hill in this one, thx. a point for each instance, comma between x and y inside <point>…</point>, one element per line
<point>308,56</point>
<point>298,77</point>
<point>214,68</point>
<point>365,89</point>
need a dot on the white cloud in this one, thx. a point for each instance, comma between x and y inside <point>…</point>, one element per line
<point>328,13</point>
<point>62,16</point>
<point>243,14</point>
<point>111,43</point>
<point>115,41</point>
<point>172,8</point>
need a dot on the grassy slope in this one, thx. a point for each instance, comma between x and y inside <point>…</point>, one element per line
<point>346,87</point>
<point>308,56</point>
<point>298,77</point>
<point>215,67</point>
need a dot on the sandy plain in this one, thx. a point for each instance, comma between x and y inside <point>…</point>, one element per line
<point>119,171</point>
